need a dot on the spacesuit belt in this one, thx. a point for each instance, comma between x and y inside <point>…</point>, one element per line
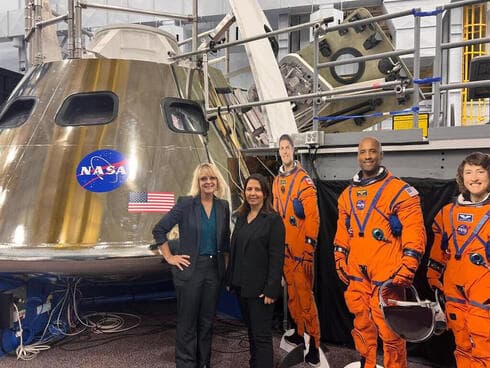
<point>360,279</point>
<point>298,259</point>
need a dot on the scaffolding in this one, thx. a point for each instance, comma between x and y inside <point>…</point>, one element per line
<point>473,112</point>
<point>473,44</point>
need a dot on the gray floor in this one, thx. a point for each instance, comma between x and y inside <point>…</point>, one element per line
<point>152,345</point>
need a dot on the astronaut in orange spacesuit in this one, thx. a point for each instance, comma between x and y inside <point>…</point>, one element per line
<point>380,236</point>
<point>296,202</point>
<point>460,255</point>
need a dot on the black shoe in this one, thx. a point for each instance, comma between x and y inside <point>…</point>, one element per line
<point>294,339</point>
<point>363,362</point>
<point>313,355</point>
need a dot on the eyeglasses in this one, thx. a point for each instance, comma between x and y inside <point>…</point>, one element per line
<point>206,178</point>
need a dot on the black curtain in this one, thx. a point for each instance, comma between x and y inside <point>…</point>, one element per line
<point>335,319</point>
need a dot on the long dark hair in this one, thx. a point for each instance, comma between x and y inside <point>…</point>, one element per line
<point>265,187</point>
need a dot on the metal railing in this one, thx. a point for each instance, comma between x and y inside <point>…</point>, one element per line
<point>34,25</point>
<point>439,85</point>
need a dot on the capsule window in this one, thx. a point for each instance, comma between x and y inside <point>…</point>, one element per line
<point>347,73</point>
<point>88,108</point>
<point>184,116</point>
<point>17,112</point>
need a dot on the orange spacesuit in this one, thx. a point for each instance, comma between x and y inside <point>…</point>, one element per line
<point>461,253</point>
<point>296,202</point>
<point>380,235</point>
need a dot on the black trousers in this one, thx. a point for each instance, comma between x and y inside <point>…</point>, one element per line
<point>197,299</point>
<point>258,318</point>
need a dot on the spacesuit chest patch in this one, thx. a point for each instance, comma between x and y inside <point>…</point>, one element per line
<point>465,217</point>
<point>360,205</point>
<point>282,183</point>
<point>462,230</point>
<point>362,193</point>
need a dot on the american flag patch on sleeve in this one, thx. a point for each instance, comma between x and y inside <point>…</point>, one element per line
<point>411,191</point>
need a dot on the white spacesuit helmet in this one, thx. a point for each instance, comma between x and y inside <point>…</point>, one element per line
<point>414,321</point>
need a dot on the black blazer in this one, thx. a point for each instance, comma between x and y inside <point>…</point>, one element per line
<point>187,214</point>
<point>263,259</point>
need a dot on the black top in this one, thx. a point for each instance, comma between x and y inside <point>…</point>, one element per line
<point>239,253</point>
<point>257,255</point>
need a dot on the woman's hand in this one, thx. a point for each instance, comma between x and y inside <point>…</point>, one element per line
<point>267,300</point>
<point>181,260</point>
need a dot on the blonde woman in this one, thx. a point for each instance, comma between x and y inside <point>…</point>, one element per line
<point>198,261</point>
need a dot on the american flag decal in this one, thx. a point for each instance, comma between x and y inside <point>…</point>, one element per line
<point>151,201</point>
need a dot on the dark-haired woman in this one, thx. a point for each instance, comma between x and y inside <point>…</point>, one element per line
<point>257,257</point>
<point>459,263</point>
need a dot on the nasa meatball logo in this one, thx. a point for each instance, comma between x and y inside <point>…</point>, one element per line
<point>462,230</point>
<point>360,205</point>
<point>102,171</point>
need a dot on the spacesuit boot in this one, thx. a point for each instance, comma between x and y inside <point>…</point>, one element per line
<point>294,339</point>
<point>313,355</point>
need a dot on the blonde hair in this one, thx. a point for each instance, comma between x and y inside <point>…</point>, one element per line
<point>173,234</point>
<point>211,170</point>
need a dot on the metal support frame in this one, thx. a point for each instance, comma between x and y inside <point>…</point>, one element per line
<point>437,71</point>
<point>246,40</point>
<point>339,95</point>
<point>84,5</point>
<point>71,29</point>
<point>482,83</point>
<point>37,39</point>
<point>227,57</point>
<point>206,81</point>
<point>187,40</point>
<point>34,25</point>
<point>28,22</point>
<point>195,30</point>
<point>359,59</point>
<point>316,36</point>
<point>476,41</point>
<point>77,31</point>
<point>416,70</point>
<point>438,88</point>
<point>44,23</point>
